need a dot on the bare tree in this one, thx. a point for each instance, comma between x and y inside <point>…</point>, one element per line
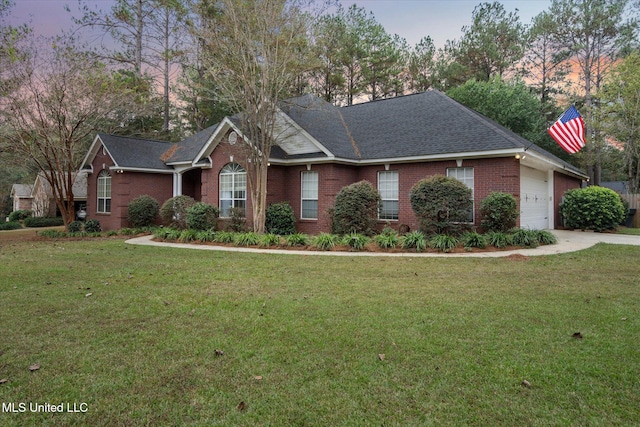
<point>62,98</point>
<point>255,58</point>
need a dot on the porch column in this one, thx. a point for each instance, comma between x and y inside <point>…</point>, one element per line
<point>177,183</point>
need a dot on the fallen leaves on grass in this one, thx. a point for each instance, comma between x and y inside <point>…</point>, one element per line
<point>34,367</point>
<point>577,335</point>
<point>381,356</point>
<point>241,406</point>
<point>3,380</point>
<point>526,383</point>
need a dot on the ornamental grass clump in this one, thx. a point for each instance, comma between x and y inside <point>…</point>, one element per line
<point>388,239</point>
<point>443,242</point>
<point>269,239</point>
<point>546,237</point>
<point>355,241</point>
<point>224,237</point>
<point>297,239</point>
<point>414,240</point>
<point>523,237</point>
<point>498,239</point>
<point>473,239</point>
<point>326,241</point>
<point>246,239</point>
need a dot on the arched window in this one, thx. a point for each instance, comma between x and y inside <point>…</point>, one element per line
<point>104,192</point>
<point>233,188</point>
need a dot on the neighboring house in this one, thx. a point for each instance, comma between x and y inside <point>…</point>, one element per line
<point>22,197</point>
<point>40,198</point>
<point>391,143</point>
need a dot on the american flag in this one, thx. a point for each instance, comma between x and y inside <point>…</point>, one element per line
<point>568,131</point>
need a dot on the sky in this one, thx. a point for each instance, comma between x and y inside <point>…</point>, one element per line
<point>442,20</point>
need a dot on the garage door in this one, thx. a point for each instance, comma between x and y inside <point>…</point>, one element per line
<point>534,199</point>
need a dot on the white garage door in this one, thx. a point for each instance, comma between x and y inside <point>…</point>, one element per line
<point>534,199</point>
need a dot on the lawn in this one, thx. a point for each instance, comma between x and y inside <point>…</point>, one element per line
<point>159,336</point>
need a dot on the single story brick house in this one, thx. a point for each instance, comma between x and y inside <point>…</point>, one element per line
<point>391,143</point>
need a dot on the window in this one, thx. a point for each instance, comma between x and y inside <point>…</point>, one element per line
<point>465,175</point>
<point>104,192</point>
<point>233,188</point>
<point>309,195</point>
<point>388,189</point>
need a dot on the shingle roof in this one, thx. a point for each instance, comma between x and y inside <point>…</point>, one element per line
<point>423,124</point>
<point>136,153</point>
<point>187,149</point>
<point>21,190</point>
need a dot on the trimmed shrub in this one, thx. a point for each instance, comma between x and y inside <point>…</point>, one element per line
<point>238,220</point>
<point>75,226</point>
<point>19,215</point>
<point>326,241</point>
<point>202,216</point>
<point>442,204</point>
<point>280,219</point>
<point>592,208</point>
<point>356,209</point>
<point>499,212</point>
<point>12,225</point>
<point>174,211</point>
<point>414,240</point>
<point>92,226</point>
<point>36,221</point>
<point>142,211</point>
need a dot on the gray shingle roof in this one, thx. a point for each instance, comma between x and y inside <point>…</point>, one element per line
<point>136,153</point>
<point>187,149</point>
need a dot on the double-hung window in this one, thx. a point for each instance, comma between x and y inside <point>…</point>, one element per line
<point>104,192</point>
<point>233,189</point>
<point>465,175</point>
<point>309,193</point>
<point>388,189</point>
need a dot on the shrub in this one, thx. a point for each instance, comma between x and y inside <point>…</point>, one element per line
<point>526,238</point>
<point>499,212</point>
<point>202,216</point>
<point>142,211</point>
<point>35,221</point>
<point>444,242</point>
<point>546,237</point>
<point>92,226</point>
<point>473,240</point>
<point>280,219</point>
<point>356,209</point>
<point>238,220</point>
<point>355,241</point>
<point>592,208</point>
<point>326,241</point>
<point>442,204</point>
<point>11,225</point>
<point>75,226</point>
<point>388,239</point>
<point>19,215</point>
<point>174,211</point>
<point>414,240</point>
<point>246,239</point>
<point>269,239</point>
<point>498,239</point>
<point>297,239</point>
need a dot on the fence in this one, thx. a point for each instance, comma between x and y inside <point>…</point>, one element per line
<point>634,203</point>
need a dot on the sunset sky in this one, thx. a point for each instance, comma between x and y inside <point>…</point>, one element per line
<point>411,19</point>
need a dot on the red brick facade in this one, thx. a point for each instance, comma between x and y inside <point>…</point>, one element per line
<point>285,182</point>
<point>125,187</point>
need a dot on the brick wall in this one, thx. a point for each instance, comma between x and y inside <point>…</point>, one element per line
<point>125,187</point>
<point>562,183</point>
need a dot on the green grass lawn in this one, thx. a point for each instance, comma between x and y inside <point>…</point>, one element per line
<point>132,332</point>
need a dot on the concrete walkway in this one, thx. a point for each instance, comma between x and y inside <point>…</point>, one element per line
<point>568,241</point>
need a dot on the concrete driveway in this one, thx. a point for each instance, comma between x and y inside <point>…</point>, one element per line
<point>568,241</point>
